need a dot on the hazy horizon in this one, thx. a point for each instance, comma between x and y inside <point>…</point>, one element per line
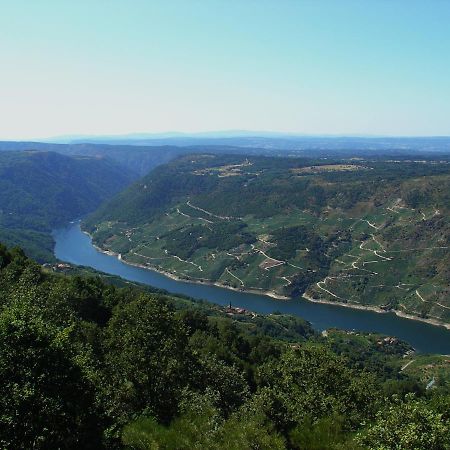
<point>236,133</point>
<point>213,134</point>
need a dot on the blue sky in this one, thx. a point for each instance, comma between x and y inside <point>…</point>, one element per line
<point>314,67</point>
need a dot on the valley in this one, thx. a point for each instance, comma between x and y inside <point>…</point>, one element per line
<point>42,189</point>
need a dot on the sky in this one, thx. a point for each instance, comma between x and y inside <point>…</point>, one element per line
<point>378,67</point>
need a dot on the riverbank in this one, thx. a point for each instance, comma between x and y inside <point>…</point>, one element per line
<point>378,311</point>
<point>271,294</point>
<point>174,277</point>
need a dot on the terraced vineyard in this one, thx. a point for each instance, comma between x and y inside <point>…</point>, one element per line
<point>365,233</point>
<point>394,262</point>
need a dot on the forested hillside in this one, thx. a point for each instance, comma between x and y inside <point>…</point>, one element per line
<point>84,364</point>
<point>136,159</point>
<point>41,190</point>
<point>369,232</point>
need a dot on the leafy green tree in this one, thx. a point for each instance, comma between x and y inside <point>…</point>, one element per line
<point>409,424</point>
<point>147,360</point>
<point>225,381</point>
<point>310,382</point>
<point>190,431</point>
<point>202,428</point>
<point>327,433</point>
<point>247,430</point>
<point>46,399</point>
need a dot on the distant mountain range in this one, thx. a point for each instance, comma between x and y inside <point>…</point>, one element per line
<point>270,140</point>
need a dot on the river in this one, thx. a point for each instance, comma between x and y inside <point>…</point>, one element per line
<point>74,246</point>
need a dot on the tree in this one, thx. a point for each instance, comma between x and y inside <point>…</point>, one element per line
<point>147,360</point>
<point>408,424</point>
<point>46,400</point>
<point>310,383</point>
<point>201,428</point>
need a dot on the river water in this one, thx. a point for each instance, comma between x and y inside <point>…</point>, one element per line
<point>73,246</point>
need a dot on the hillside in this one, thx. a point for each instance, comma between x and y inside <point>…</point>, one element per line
<point>37,244</point>
<point>41,190</point>
<point>136,159</point>
<point>362,232</point>
<point>85,364</point>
